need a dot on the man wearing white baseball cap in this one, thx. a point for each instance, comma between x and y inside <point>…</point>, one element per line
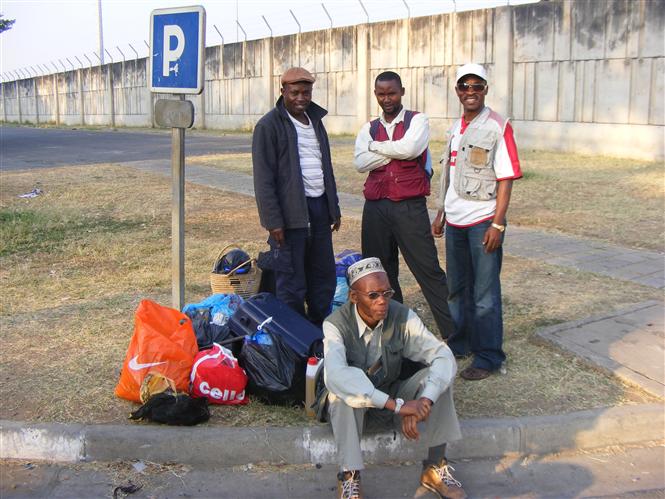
<point>480,163</point>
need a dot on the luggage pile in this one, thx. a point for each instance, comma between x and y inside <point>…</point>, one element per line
<point>219,351</point>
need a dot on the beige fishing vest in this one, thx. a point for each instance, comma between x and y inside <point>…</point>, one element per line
<point>475,179</point>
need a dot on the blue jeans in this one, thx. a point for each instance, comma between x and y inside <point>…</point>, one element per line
<point>475,296</point>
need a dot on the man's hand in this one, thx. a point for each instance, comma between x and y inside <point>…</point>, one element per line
<point>420,408</point>
<point>336,225</point>
<point>410,427</point>
<point>277,236</point>
<point>438,223</point>
<point>492,239</point>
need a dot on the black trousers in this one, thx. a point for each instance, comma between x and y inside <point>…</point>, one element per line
<point>313,279</point>
<point>390,227</point>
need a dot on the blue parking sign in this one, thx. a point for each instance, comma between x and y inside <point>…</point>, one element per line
<point>177,50</point>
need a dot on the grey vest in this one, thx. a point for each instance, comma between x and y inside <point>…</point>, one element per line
<point>392,347</point>
<point>475,179</point>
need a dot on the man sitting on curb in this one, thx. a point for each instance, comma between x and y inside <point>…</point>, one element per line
<point>366,342</point>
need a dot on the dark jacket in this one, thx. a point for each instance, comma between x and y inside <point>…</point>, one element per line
<point>278,185</point>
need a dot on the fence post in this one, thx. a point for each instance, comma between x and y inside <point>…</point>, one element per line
<point>34,89</point>
<point>81,100</point>
<point>18,102</point>
<point>4,102</point>
<point>268,70</point>
<point>363,73</point>
<point>111,96</point>
<point>56,95</point>
<point>502,77</point>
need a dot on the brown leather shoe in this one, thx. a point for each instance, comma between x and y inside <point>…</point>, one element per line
<point>348,485</point>
<point>438,479</point>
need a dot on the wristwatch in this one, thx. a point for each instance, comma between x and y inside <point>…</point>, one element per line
<point>498,227</point>
<point>398,405</point>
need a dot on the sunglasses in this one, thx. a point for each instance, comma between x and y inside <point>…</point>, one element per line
<point>374,295</point>
<point>476,87</point>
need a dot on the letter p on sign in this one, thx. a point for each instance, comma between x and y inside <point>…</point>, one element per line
<point>177,48</point>
<point>171,55</point>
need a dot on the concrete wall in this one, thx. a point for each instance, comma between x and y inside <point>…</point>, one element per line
<point>576,75</point>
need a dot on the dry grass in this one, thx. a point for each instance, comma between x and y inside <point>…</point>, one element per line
<point>75,262</point>
<point>588,196</point>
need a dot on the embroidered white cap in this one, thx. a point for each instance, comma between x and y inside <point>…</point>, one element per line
<point>471,69</point>
<point>362,268</point>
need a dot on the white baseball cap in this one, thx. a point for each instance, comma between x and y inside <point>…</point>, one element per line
<point>471,69</point>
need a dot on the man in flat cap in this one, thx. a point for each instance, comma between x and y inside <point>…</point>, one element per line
<point>368,343</point>
<point>296,195</point>
<point>480,163</point>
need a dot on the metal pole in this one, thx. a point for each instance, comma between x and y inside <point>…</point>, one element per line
<point>89,61</point>
<point>63,65</point>
<point>121,53</point>
<point>366,13</point>
<point>70,62</point>
<point>296,20</point>
<point>219,33</point>
<point>178,216</point>
<point>110,56</point>
<point>326,11</point>
<point>408,9</point>
<point>241,29</point>
<point>265,21</point>
<point>97,56</point>
<point>135,52</point>
<point>79,60</point>
<point>101,31</point>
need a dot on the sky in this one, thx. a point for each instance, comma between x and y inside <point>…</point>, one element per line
<point>49,31</point>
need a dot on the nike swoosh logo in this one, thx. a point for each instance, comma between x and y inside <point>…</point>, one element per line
<point>135,366</point>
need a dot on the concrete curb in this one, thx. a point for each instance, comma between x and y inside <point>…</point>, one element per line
<point>482,438</point>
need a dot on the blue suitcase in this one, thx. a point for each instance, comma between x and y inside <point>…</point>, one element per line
<point>297,332</point>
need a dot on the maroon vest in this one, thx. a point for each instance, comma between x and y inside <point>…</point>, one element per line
<point>401,178</point>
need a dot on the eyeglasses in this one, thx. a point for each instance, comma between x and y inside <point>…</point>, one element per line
<point>476,87</point>
<point>374,295</point>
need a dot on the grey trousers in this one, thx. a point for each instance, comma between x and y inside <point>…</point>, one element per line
<point>348,423</point>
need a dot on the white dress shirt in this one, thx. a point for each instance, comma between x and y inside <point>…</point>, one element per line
<point>370,154</point>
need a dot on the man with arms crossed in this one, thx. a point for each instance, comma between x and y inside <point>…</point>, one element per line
<point>296,195</point>
<point>480,163</point>
<point>366,342</point>
<point>393,149</point>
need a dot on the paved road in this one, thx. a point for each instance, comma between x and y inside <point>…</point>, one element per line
<point>24,147</point>
<point>632,472</point>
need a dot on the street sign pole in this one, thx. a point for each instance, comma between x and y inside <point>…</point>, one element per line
<point>177,50</point>
<point>178,216</point>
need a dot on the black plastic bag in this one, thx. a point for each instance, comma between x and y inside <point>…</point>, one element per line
<point>206,332</point>
<point>276,373</point>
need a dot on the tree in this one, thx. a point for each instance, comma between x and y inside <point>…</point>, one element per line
<point>6,24</point>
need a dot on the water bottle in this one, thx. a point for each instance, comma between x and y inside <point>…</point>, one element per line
<point>314,366</point>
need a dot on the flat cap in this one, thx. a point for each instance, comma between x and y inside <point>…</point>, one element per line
<point>295,75</point>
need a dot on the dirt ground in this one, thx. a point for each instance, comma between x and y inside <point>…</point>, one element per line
<point>76,261</point>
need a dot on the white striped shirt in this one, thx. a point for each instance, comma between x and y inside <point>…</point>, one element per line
<point>309,151</point>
